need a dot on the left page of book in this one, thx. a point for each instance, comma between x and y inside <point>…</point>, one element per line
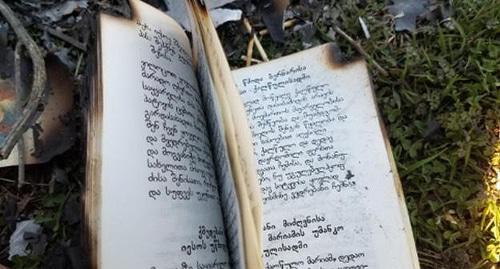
<point>154,197</point>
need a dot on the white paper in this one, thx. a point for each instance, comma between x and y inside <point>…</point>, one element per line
<point>160,207</point>
<point>330,195</point>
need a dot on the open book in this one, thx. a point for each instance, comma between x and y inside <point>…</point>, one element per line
<point>280,165</point>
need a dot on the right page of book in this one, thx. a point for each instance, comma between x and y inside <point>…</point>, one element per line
<point>331,194</point>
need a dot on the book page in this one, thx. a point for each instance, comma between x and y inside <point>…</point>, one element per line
<point>331,196</point>
<point>159,200</point>
<point>236,131</point>
<point>225,181</point>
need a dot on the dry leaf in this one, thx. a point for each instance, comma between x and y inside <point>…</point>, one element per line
<point>54,131</point>
<point>27,232</point>
<point>56,13</point>
<point>273,14</point>
<point>406,13</point>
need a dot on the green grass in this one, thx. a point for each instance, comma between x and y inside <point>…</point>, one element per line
<point>440,104</point>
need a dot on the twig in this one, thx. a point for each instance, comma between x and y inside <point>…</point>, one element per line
<point>20,97</point>
<point>78,65</point>
<point>245,58</point>
<point>286,24</point>
<point>38,91</point>
<point>27,183</point>
<point>65,37</point>
<point>429,254</point>
<point>364,27</point>
<point>360,50</point>
<point>250,51</point>
<point>261,50</point>
<point>7,180</point>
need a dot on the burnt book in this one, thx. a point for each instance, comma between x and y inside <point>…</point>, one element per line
<point>190,164</point>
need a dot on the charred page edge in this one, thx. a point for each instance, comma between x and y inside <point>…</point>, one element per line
<point>92,196</point>
<point>398,187</point>
<point>334,58</point>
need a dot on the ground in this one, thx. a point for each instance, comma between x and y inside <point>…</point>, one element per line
<point>439,101</point>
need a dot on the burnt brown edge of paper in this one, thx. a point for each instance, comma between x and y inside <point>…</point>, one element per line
<point>407,229</point>
<point>199,7</point>
<point>334,58</point>
<point>93,130</point>
<point>91,198</point>
<point>93,159</point>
